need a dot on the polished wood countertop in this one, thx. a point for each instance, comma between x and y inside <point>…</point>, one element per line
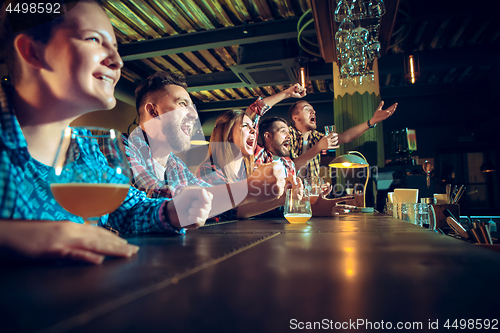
<point>261,276</point>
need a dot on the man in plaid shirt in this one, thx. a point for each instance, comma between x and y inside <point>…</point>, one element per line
<point>166,119</point>
<point>150,176</point>
<point>307,143</point>
<point>275,136</point>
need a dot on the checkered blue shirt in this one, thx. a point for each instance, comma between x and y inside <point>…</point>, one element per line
<point>25,192</point>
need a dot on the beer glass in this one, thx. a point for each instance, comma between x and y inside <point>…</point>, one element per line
<point>297,205</point>
<point>314,185</point>
<point>331,129</point>
<point>91,175</point>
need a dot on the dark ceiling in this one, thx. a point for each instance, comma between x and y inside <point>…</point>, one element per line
<point>203,39</point>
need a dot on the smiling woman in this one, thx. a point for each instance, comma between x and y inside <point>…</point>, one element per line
<point>64,68</point>
<point>75,62</point>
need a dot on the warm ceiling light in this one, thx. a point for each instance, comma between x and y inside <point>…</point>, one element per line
<point>199,142</point>
<point>412,68</point>
<point>303,75</point>
<point>198,139</point>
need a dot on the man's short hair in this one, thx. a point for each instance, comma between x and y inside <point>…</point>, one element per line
<point>157,82</point>
<point>291,110</point>
<point>266,124</point>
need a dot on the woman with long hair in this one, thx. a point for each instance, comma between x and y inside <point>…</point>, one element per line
<point>230,159</point>
<point>61,67</point>
<point>234,139</point>
<point>230,153</point>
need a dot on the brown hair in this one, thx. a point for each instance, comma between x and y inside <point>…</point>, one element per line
<point>220,152</point>
<point>154,83</point>
<point>291,110</point>
<point>266,124</point>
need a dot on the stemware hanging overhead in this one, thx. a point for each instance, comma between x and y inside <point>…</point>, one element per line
<point>376,8</point>
<point>357,46</point>
<point>342,11</point>
<point>358,10</point>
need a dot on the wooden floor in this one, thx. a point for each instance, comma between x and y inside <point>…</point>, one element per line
<point>262,276</point>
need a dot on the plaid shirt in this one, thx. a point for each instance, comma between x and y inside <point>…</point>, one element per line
<point>25,191</point>
<point>177,174</point>
<point>296,146</point>
<point>256,110</point>
<point>262,155</point>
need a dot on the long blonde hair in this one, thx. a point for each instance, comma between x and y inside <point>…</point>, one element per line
<point>220,151</point>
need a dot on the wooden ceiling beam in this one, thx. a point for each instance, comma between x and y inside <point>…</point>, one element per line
<point>325,27</point>
<point>387,23</point>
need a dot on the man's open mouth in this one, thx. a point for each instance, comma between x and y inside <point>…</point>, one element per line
<point>286,144</point>
<point>313,119</point>
<point>187,128</point>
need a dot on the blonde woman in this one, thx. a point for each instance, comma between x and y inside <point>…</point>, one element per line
<point>230,159</point>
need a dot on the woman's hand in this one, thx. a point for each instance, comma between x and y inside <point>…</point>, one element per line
<point>267,182</point>
<point>61,240</point>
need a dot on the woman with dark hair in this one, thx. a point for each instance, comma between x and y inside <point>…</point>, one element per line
<point>62,69</point>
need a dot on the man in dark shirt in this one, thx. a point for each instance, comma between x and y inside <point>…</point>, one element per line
<point>275,135</point>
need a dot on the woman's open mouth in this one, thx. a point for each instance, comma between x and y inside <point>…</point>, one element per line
<point>250,142</point>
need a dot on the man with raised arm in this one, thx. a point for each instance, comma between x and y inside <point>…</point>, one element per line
<point>306,143</point>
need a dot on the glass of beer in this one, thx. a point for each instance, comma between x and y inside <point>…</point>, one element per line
<point>314,186</point>
<point>328,130</point>
<point>297,205</point>
<point>91,175</point>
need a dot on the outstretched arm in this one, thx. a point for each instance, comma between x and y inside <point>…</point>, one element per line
<point>261,106</point>
<point>356,131</point>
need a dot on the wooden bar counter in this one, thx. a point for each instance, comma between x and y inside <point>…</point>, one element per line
<point>265,276</point>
